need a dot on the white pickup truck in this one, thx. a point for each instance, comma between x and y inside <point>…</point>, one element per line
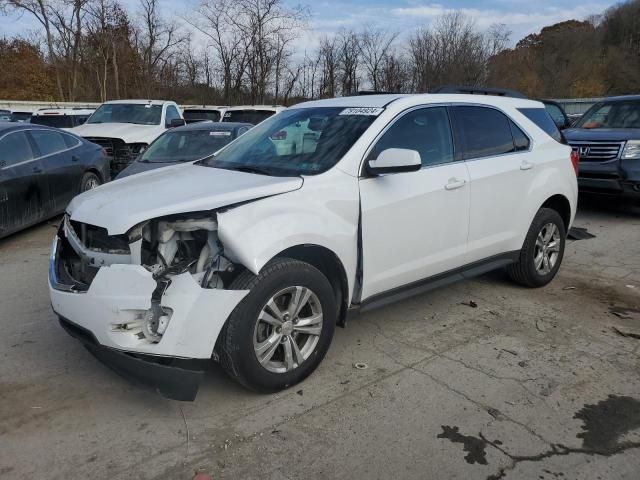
<point>125,128</point>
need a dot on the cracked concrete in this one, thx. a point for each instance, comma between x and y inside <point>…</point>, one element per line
<point>507,379</point>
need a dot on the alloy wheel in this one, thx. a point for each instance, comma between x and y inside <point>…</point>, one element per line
<point>288,329</point>
<point>547,249</point>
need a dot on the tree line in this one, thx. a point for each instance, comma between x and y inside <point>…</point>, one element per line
<point>248,51</point>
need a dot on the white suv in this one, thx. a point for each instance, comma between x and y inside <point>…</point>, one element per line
<point>125,128</point>
<point>253,256</point>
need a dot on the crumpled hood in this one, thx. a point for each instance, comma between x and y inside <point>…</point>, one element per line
<point>601,134</point>
<point>119,205</point>
<point>128,132</point>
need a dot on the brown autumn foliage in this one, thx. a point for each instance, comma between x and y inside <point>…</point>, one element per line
<point>29,76</point>
<point>571,59</point>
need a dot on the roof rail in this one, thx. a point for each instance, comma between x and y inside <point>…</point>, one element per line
<point>374,92</point>
<point>500,92</point>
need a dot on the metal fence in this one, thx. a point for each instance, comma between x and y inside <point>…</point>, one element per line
<point>577,106</point>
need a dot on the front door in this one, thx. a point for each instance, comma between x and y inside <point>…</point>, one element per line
<point>414,224</point>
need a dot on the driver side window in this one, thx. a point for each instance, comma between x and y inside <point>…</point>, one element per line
<point>426,130</point>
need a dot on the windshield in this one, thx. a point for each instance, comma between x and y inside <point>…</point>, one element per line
<point>304,141</point>
<point>247,116</point>
<point>58,121</point>
<point>137,113</point>
<point>620,114</point>
<point>186,146</point>
<point>199,115</point>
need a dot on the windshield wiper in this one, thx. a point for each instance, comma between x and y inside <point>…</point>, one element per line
<point>251,169</point>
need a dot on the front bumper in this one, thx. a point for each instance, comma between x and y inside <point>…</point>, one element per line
<point>170,380</point>
<point>616,177</point>
<point>120,294</point>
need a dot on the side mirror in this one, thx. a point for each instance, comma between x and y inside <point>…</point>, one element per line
<point>176,122</point>
<point>395,160</point>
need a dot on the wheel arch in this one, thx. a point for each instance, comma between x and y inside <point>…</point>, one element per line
<point>331,267</point>
<point>95,171</point>
<point>560,204</point>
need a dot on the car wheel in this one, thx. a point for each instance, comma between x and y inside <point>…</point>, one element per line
<point>542,252</point>
<point>282,329</point>
<point>89,181</point>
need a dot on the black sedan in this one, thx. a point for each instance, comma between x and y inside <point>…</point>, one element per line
<point>186,144</point>
<point>41,170</point>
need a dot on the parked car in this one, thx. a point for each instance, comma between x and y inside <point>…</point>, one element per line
<point>607,139</point>
<point>251,257</point>
<point>203,113</point>
<point>21,117</point>
<point>41,170</point>
<point>250,113</point>
<point>125,128</point>
<point>557,114</point>
<point>5,115</point>
<point>64,118</point>
<point>186,144</point>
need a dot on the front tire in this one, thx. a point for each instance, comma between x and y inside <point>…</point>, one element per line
<point>282,329</point>
<point>542,252</point>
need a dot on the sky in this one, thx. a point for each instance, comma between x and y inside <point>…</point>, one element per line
<point>521,16</point>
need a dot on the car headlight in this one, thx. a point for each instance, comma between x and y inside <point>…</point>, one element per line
<point>137,148</point>
<point>631,150</point>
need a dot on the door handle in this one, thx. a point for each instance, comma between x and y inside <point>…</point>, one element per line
<point>455,183</point>
<point>526,165</point>
<point>37,170</point>
<point>74,159</point>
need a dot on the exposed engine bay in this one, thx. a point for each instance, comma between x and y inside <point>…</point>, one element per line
<point>165,247</point>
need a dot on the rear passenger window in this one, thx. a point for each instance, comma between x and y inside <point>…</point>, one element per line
<point>48,142</point>
<point>520,140</point>
<point>425,130</point>
<point>484,132</point>
<point>541,118</point>
<point>14,148</point>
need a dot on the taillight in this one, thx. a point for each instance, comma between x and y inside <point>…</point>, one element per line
<point>281,135</point>
<point>575,160</point>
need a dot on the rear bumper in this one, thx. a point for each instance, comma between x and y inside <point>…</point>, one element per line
<point>167,378</point>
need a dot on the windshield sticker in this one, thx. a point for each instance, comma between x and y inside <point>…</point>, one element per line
<point>220,134</point>
<point>370,111</point>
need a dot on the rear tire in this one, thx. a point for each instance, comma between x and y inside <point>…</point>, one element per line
<point>542,252</point>
<point>89,181</point>
<point>267,344</point>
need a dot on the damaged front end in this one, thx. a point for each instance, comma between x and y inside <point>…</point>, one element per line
<point>158,293</point>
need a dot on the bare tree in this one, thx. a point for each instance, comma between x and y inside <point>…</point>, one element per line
<point>349,61</point>
<point>374,44</point>
<point>156,41</point>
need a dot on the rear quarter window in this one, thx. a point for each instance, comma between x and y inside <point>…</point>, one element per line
<point>542,119</point>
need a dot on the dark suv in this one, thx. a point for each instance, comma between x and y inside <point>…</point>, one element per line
<point>607,139</point>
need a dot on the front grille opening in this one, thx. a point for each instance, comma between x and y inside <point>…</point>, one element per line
<point>98,238</point>
<point>597,151</point>
<point>71,269</point>
<point>120,153</point>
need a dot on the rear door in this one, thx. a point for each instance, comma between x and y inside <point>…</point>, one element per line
<point>23,192</point>
<point>62,167</point>
<point>414,224</point>
<point>500,162</point>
